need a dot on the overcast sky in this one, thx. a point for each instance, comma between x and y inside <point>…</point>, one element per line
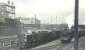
<point>45,8</point>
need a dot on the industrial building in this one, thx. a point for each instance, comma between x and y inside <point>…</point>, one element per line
<point>8,26</point>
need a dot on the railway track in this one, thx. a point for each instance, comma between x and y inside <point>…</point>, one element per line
<point>55,47</point>
<point>47,47</point>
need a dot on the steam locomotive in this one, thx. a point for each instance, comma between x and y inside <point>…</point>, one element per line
<point>42,37</point>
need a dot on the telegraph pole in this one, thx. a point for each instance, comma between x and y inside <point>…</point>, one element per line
<point>35,18</point>
<point>76,24</point>
<point>56,19</point>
